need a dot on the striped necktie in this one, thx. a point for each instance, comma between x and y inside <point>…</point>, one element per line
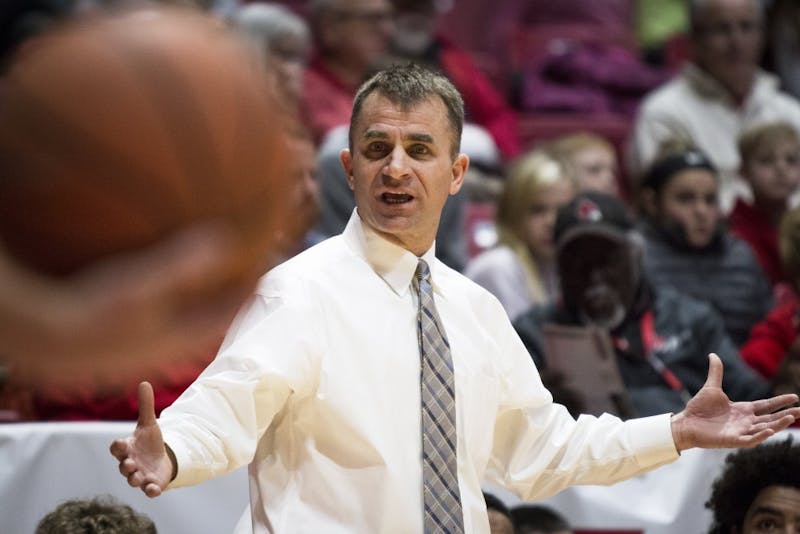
<point>441,498</point>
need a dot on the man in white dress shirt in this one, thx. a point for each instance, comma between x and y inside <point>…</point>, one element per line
<point>317,385</point>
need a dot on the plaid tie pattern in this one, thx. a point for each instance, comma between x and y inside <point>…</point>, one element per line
<point>441,497</point>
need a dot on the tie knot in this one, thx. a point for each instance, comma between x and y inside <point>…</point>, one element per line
<point>423,272</point>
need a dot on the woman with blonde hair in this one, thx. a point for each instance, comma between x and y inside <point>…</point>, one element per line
<point>520,270</point>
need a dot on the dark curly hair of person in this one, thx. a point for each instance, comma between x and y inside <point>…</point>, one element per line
<point>745,474</point>
<point>101,515</point>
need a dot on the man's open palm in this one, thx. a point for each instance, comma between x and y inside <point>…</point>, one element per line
<point>143,457</point>
<point>711,420</point>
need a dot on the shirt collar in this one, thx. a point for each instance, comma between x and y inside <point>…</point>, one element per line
<point>705,84</point>
<point>394,264</point>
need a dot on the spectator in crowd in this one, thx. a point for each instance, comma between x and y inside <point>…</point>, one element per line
<point>591,158</point>
<point>418,40</point>
<point>770,154</point>
<point>661,337</point>
<point>317,389</point>
<point>539,519</point>
<point>758,491</point>
<point>298,233</point>
<point>721,91</point>
<point>688,247</point>
<point>282,37</point>
<point>520,271</point>
<point>499,516</point>
<point>773,347</point>
<point>350,36</point>
<point>100,515</point>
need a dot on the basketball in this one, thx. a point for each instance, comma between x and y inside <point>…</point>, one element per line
<point>118,130</point>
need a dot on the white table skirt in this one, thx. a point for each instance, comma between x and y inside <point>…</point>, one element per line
<point>43,464</point>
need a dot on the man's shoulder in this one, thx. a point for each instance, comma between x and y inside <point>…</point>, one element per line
<point>317,261</point>
<point>663,98</point>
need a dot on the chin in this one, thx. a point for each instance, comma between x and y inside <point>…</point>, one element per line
<point>608,321</point>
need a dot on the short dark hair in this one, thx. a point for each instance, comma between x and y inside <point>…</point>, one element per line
<point>101,515</point>
<point>745,473</point>
<point>538,517</point>
<point>410,84</point>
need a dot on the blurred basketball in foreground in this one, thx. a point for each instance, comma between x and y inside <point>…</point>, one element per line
<point>119,130</point>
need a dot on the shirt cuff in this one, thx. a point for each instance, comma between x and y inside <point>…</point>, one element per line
<point>652,438</point>
<point>188,473</point>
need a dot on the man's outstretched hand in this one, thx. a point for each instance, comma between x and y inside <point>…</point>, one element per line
<point>143,457</point>
<point>710,420</point>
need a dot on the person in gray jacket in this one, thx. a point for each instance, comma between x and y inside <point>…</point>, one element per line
<point>688,247</point>
<point>661,338</point>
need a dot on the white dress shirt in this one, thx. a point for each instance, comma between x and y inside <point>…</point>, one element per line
<point>317,388</point>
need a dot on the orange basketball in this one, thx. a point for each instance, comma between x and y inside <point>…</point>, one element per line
<point>118,130</point>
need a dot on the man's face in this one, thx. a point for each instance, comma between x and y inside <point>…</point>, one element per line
<point>728,42</point>
<point>599,278</point>
<point>401,169</point>
<point>499,523</point>
<point>689,199</point>
<point>776,510</point>
<point>358,32</point>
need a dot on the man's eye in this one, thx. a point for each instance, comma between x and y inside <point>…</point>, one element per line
<point>377,147</point>
<point>418,150</point>
<point>767,524</point>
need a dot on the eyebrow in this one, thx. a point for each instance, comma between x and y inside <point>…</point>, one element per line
<point>418,137</point>
<point>767,510</point>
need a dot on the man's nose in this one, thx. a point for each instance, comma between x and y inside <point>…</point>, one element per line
<point>396,163</point>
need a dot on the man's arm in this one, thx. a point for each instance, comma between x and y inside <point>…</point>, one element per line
<point>144,459</point>
<point>711,420</point>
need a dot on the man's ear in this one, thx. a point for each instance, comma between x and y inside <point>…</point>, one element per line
<point>347,163</point>
<point>459,170</point>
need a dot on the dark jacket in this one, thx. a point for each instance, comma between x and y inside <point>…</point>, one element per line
<point>688,330</point>
<point>725,274</point>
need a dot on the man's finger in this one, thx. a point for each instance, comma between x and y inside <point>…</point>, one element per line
<point>765,406</point>
<point>714,379</point>
<point>119,449</point>
<point>147,411</point>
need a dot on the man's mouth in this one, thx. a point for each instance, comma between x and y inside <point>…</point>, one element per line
<point>396,198</point>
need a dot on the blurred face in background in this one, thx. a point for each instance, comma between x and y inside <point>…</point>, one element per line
<point>358,32</point>
<point>773,171</point>
<point>689,198</point>
<point>595,169</point>
<point>291,54</point>
<point>727,42</point>
<point>599,277</point>
<point>539,222</point>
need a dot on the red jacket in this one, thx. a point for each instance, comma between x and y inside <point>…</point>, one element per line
<point>771,338</point>
<point>750,224</point>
